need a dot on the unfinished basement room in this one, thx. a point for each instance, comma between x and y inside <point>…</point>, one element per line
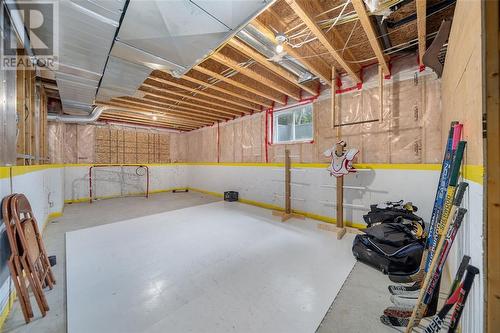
<point>249,166</point>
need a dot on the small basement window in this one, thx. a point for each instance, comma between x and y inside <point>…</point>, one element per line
<point>294,124</point>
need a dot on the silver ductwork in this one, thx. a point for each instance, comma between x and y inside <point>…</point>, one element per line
<point>90,118</point>
<point>259,42</point>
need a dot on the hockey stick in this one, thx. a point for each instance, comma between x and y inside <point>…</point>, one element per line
<point>448,241</point>
<point>400,290</point>
<point>450,194</point>
<point>455,218</point>
<point>437,322</point>
<point>472,271</point>
<point>444,178</point>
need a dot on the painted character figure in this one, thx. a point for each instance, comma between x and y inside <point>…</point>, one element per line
<point>341,159</point>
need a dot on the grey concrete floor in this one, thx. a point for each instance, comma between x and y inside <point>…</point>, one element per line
<point>357,308</point>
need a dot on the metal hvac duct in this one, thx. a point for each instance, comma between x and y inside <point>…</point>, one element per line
<point>258,41</point>
<point>90,118</point>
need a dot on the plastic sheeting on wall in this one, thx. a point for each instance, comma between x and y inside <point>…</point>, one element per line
<point>409,133</point>
<point>79,143</point>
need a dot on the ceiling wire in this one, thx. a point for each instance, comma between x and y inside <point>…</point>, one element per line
<point>369,39</point>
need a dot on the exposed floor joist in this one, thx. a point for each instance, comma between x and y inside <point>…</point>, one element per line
<point>197,91</point>
<point>422,28</point>
<point>160,119</point>
<point>158,92</point>
<point>310,64</point>
<point>150,123</point>
<point>174,101</point>
<point>192,113</point>
<point>238,84</point>
<point>318,33</point>
<point>259,58</point>
<point>367,25</point>
<point>141,107</point>
<point>226,61</point>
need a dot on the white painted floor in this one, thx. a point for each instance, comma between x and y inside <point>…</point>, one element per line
<point>220,267</point>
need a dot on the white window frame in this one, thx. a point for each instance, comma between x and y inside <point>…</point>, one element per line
<point>292,110</point>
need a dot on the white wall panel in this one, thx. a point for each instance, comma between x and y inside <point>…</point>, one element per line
<point>313,190</point>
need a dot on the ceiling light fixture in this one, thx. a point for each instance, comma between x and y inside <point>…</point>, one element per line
<point>280,40</point>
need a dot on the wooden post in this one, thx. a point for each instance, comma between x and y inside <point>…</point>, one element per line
<point>381,93</point>
<point>334,116</point>
<point>288,185</point>
<point>492,104</point>
<point>287,213</point>
<point>339,150</point>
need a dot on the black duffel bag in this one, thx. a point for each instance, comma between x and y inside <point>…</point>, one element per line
<point>392,212</point>
<point>389,247</point>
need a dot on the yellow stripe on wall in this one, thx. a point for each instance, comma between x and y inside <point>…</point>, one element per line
<point>473,173</point>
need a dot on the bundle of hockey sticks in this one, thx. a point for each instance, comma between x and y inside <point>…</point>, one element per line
<point>420,299</point>
<point>456,299</point>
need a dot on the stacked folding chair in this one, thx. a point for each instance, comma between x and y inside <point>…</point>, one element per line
<point>28,263</point>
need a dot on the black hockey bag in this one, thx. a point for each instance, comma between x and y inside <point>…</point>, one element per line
<point>390,248</point>
<point>392,212</point>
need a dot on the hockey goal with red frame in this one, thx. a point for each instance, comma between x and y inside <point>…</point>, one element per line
<point>118,180</point>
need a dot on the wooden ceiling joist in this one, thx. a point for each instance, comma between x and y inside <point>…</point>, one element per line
<point>311,24</point>
<point>310,64</point>
<point>152,123</point>
<point>224,113</point>
<point>367,25</point>
<point>226,61</point>
<point>196,91</point>
<point>227,92</point>
<point>153,110</point>
<point>421,28</point>
<point>238,84</point>
<point>159,118</point>
<point>158,92</point>
<point>249,52</point>
<point>173,109</point>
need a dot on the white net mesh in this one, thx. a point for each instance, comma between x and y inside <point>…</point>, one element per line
<point>118,181</point>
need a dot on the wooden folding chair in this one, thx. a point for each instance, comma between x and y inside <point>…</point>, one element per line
<point>14,263</point>
<point>34,242</point>
<point>34,256</point>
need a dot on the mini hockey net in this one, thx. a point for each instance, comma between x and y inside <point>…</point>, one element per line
<point>120,180</point>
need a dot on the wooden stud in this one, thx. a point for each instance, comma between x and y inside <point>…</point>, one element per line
<point>367,25</point>
<point>238,84</point>
<point>492,103</point>
<point>159,92</point>
<point>254,75</point>
<point>421,28</point>
<point>381,93</point>
<point>198,91</point>
<point>333,97</point>
<point>249,52</point>
<point>311,24</point>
